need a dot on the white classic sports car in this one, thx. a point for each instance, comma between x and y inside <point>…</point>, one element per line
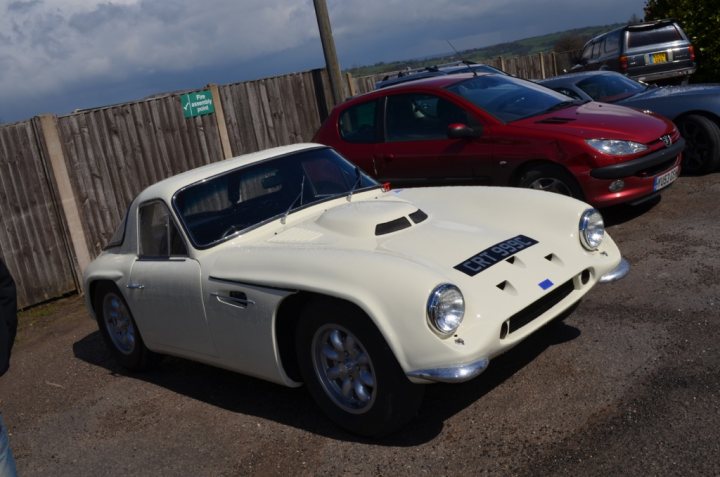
<point>293,266</point>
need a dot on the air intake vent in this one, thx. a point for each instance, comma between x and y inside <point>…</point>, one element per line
<point>392,226</point>
<point>418,216</point>
<point>534,310</point>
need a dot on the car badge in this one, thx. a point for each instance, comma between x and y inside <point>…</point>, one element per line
<point>667,140</point>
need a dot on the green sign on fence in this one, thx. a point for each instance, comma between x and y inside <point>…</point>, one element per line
<point>197,104</point>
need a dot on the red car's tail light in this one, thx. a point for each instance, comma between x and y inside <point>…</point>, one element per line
<point>623,63</point>
<point>691,49</point>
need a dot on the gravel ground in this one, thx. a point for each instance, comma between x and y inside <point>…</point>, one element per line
<point>628,384</point>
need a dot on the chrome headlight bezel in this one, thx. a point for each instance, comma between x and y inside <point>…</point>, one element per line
<point>616,147</point>
<point>445,309</point>
<point>592,229</point>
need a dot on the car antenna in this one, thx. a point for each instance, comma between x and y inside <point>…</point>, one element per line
<point>463,61</point>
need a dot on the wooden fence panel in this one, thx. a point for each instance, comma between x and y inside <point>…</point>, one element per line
<point>32,239</point>
<point>113,153</point>
<point>532,67</point>
<point>275,111</point>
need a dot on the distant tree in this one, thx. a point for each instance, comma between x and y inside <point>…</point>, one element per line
<point>701,21</point>
<point>634,19</point>
<point>570,42</point>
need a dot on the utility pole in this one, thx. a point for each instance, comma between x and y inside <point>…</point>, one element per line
<point>328,44</point>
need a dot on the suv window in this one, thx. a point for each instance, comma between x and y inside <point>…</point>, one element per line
<point>612,43</point>
<point>666,34</point>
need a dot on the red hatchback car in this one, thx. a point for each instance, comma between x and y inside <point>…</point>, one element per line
<point>500,130</point>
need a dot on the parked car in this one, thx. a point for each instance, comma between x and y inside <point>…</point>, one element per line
<point>651,51</point>
<point>500,130</point>
<point>292,265</point>
<point>439,70</point>
<point>695,109</point>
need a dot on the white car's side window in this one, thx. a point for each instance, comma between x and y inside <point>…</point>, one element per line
<point>159,237</point>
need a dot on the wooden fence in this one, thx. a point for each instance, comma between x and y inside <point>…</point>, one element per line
<point>65,182</point>
<point>32,232</point>
<point>537,66</point>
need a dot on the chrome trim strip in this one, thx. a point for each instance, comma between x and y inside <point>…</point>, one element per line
<point>619,272</point>
<point>231,281</point>
<point>456,374</point>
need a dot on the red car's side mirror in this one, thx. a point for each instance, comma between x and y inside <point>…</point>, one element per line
<point>463,131</point>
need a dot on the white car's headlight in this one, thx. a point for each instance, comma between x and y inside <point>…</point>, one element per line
<point>446,308</point>
<point>592,229</point>
<point>615,147</point>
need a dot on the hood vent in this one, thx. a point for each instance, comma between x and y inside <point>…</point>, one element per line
<point>555,121</point>
<point>418,216</point>
<point>392,226</point>
<point>400,223</point>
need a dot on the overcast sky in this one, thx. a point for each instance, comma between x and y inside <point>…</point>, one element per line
<point>59,55</point>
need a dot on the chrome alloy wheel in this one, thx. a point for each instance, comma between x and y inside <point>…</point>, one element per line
<point>344,368</point>
<point>119,324</point>
<point>551,184</point>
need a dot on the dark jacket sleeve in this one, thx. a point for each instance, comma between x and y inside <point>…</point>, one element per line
<point>8,316</point>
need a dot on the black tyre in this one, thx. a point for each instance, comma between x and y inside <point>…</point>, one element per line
<point>550,178</point>
<point>702,148</point>
<point>118,328</point>
<point>351,372</point>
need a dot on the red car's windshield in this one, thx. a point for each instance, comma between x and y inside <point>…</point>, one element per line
<point>508,98</point>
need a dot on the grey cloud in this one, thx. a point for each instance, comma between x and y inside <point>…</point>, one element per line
<point>23,7</point>
<point>88,22</point>
<point>54,46</point>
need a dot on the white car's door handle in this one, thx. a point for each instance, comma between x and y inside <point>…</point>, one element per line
<point>135,286</point>
<point>240,301</point>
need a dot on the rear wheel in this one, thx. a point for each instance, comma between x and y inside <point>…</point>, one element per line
<point>550,178</point>
<point>351,372</point>
<point>702,148</point>
<point>118,328</point>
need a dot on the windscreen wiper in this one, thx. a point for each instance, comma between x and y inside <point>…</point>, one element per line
<point>299,197</point>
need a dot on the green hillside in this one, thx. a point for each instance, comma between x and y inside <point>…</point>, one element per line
<point>522,47</point>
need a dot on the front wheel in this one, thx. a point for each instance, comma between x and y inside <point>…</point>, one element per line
<point>702,149</point>
<point>118,328</point>
<point>550,178</point>
<point>351,372</point>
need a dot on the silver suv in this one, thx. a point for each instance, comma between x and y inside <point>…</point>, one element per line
<point>650,52</point>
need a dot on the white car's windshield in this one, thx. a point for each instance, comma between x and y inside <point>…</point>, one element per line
<point>222,206</point>
<point>508,98</point>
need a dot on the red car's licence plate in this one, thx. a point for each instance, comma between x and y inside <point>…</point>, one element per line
<point>664,180</point>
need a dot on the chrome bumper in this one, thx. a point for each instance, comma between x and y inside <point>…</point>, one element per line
<point>619,272</point>
<point>455,374</point>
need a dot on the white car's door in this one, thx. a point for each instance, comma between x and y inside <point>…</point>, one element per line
<point>242,318</point>
<point>165,289</point>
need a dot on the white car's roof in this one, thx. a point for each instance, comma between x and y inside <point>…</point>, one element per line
<point>167,187</point>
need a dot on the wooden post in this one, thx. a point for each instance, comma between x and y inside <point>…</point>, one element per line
<point>542,66</point>
<point>328,44</point>
<point>350,84</point>
<point>63,186</point>
<point>221,124</point>
<point>502,63</point>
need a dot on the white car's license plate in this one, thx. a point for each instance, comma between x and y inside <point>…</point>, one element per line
<point>666,179</point>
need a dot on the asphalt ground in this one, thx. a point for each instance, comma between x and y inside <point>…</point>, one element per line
<point>629,384</point>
